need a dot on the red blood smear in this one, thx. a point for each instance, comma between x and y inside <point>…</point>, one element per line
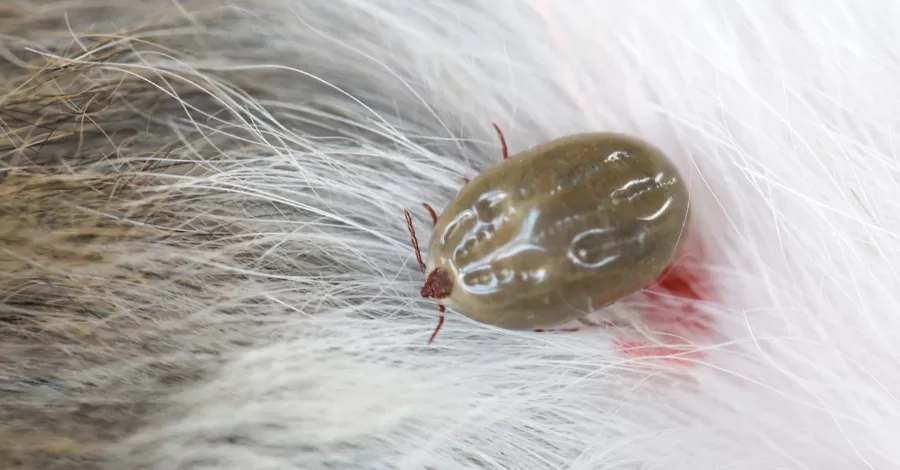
<point>679,355</point>
<point>670,306</point>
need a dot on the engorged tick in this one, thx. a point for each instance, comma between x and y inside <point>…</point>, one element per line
<point>556,232</point>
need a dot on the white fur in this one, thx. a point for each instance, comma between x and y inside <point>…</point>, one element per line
<point>781,113</point>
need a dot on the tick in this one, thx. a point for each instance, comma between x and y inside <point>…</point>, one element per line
<point>556,232</point>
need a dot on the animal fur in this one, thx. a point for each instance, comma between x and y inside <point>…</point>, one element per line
<point>204,262</point>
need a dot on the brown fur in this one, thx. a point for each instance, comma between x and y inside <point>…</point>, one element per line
<point>94,240</point>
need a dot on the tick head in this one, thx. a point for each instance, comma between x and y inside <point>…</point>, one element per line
<point>438,284</point>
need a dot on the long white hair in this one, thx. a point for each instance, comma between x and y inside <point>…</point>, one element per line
<point>204,262</point>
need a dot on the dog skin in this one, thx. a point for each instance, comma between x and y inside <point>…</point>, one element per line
<point>204,261</point>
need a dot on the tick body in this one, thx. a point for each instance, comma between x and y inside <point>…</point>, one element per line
<point>558,231</point>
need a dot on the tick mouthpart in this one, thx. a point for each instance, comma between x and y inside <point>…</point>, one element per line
<point>438,284</point>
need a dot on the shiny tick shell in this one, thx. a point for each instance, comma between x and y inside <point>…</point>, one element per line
<point>558,231</point>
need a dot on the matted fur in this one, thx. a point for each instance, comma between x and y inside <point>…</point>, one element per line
<point>204,262</point>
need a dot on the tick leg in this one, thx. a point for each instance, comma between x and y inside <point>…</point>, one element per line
<point>415,242</point>
<point>583,321</point>
<point>431,211</point>
<point>502,141</point>
<point>565,330</point>
<point>439,325</point>
<point>412,234</point>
